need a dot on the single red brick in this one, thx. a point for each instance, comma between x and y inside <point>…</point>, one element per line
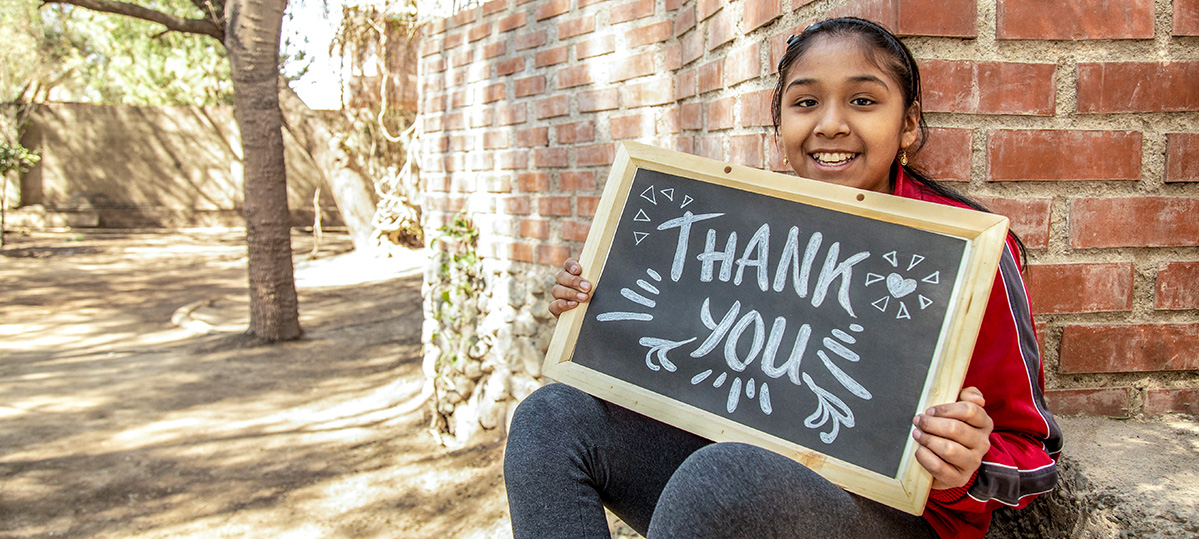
<point>508,114</point>
<point>478,32</point>
<point>1129,348</point>
<point>946,154</point>
<point>652,33</point>
<point>710,147</point>
<point>532,137</point>
<point>554,205</point>
<point>511,22</point>
<point>743,64</point>
<point>492,50</point>
<point>672,57</point>
<point>622,127</point>
<point>492,93</point>
<point>672,5</point>
<point>435,26</point>
<point>705,8</point>
<point>988,87</point>
<point>533,182</point>
<point>576,27</point>
<point>1177,286</point>
<point>516,205</point>
<point>454,121</point>
<point>721,29</point>
<point>1079,288</point>
<point>1183,400</point>
<point>746,150</point>
<point>461,58</point>
<point>512,159</point>
<point>497,184</point>
<point>1134,222</point>
<point>691,47</point>
<point>691,116</point>
<point>628,11</point>
<point>1186,18</point>
<point>720,114</point>
<point>571,133</point>
<point>710,76</point>
<point>552,255</point>
<point>510,66</point>
<point>530,40</point>
<point>1063,155</point>
<point>482,118</point>
<point>668,123</point>
<point>493,140</point>
<point>633,66</point>
<point>587,206</point>
<point>494,6</point>
<point>1182,155</point>
<point>597,100</point>
<point>549,57</point>
<point>1029,217</point>
<point>686,84</point>
<point>435,65</point>
<point>463,17</point>
<point>1138,87</point>
<point>758,13</point>
<point>453,40</point>
<point>946,18</point>
<point>755,108</point>
<point>549,107</point>
<point>595,154</point>
<point>461,143</point>
<point>552,8</point>
<point>550,158</point>
<point>683,144</point>
<point>520,252</point>
<point>1099,401</point>
<point>653,92</point>
<point>1077,19</point>
<point>435,104</point>
<point>577,181</point>
<point>684,21</point>
<point>579,75</point>
<point>575,230</point>
<point>480,161</point>
<point>535,228</point>
<point>530,86</point>
<point>596,46</point>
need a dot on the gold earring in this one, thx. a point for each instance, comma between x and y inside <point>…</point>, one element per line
<point>785,161</point>
<point>903,157</point>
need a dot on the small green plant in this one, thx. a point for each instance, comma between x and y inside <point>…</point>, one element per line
<point>455,298</point>
<point>16,157</point>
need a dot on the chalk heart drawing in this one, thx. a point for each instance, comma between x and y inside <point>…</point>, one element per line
<point>900,287</point>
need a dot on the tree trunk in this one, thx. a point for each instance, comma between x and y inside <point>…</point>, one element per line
<point>352,191</point>
<point>252,40</point>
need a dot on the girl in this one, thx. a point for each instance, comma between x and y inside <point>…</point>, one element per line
<point>847,111</point>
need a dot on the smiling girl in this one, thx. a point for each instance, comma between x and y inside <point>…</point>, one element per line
<point>846,111</point>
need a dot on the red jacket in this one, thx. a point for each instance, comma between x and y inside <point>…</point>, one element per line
<point>1006,367</point>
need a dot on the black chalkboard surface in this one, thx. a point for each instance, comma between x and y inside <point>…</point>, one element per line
<point>731,303</point>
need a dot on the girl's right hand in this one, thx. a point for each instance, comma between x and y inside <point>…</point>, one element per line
<point>571,289</point>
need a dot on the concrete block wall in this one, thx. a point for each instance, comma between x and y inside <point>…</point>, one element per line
<point>1079,119</point>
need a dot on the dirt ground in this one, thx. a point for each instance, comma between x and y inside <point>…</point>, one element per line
<point>115,422</point>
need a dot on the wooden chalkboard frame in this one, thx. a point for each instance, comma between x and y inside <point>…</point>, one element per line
<point>984,233</point>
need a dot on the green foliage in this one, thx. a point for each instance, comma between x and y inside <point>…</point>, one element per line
<point>457,291</point>
<point>16,157</point>
<point>73,54</point>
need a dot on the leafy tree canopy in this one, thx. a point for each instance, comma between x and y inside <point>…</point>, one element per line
<point>66,53</point>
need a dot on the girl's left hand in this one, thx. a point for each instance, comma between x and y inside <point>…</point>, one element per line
<point>953,439</point>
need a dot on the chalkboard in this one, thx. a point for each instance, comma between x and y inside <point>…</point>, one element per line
<point>812,319</point>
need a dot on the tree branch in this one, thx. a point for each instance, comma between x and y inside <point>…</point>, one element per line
<point>172,22</point>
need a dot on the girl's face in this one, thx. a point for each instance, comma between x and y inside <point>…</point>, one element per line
<point>843,118</point>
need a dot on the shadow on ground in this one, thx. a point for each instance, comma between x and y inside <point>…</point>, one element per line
<point>116,423</point>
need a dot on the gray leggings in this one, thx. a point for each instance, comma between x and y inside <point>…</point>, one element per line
<point>570,454</point>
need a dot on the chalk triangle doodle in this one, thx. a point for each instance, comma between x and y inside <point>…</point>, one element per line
<point>903,312</point>
<point>916,259</point>
<point>648,194</point>
<point>641,216</point>
<point>885,300</point>
<point>935,278</point>
<point>668,193</point>
<point>872,278</point>
<point>638,236</point>
<point>924,302</point>
<point>892,258</point>
<point>686,200</point>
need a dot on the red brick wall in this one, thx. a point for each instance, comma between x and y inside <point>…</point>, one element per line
<point>1079,119</point>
